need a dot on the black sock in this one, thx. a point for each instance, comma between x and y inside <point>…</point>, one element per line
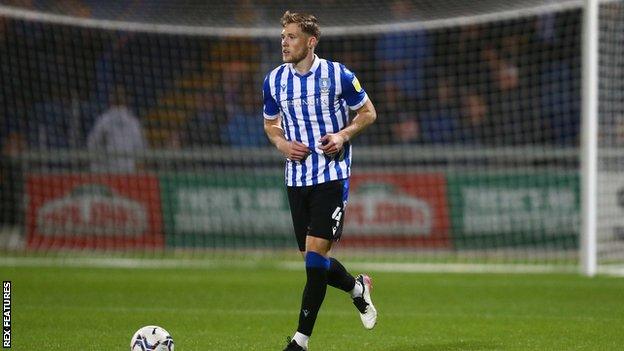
<point>313,294</point>
<point>338,277</point>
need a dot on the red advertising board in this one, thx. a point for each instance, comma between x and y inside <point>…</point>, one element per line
<point>93,211</point>
<point>397,209</point>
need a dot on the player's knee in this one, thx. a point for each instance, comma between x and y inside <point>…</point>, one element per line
<point>316,260</point>
<point>318,245</point>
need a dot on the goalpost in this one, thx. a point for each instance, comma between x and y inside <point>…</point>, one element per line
<point>497,145</point>
<point>604,111</point>
<point>589,144</point>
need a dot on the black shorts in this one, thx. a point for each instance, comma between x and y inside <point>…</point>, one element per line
<point>318,210</point>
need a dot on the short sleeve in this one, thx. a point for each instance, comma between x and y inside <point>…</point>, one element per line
<point>271,109</point>
<point>352,91</point>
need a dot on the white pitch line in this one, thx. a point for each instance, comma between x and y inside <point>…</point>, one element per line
<point>131,263</point>
<point>448,268</point>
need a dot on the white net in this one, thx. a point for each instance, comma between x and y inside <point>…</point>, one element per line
<point>611,137</point>
<point>136,129</point>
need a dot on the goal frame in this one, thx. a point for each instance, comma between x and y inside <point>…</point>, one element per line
<point>589,139</point>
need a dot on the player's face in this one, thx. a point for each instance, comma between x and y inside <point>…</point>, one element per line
<point>295,44</point>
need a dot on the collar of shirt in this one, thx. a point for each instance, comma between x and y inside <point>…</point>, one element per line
<point>315,64</point>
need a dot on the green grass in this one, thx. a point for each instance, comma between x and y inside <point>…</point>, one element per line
<point>255,308</point>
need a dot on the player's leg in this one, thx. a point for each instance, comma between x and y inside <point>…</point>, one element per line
<point>298,198</point>
<point>326,209</point>
<point>358,288</point>
<point>300,213</point>
<point>316,265</point>
<point>321,200</point>
<point>337,276</point>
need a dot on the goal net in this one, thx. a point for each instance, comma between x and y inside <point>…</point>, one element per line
<point>137,130</point>
<point>610,178</point>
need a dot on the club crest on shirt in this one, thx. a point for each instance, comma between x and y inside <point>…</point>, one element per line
<point>324,84</point>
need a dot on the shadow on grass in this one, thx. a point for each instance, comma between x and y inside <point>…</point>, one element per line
<point>449,346</point>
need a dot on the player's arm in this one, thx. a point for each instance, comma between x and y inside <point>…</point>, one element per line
<point>366,115</point>
<point>293,150</point>
<point>358,100</point>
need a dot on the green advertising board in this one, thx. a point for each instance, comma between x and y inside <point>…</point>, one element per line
<point>512,210</point>
<point>233,210</point>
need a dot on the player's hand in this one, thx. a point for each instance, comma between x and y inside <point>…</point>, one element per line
<point>331,144</point>
<point>294,150</point>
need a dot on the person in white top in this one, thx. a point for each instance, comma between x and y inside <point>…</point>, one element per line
<point>116,137</point>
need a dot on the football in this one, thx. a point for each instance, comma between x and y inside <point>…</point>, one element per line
<point>151,338</point>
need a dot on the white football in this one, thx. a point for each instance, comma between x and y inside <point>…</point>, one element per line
<point>151,338</point>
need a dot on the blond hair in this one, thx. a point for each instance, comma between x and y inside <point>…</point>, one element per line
<point>307,22</point>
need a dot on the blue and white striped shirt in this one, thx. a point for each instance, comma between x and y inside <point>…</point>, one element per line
<point>312,105</point>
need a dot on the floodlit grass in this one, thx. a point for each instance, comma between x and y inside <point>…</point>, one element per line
<point>256,307</point>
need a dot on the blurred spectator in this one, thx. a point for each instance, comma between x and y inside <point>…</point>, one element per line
<point>49,121</point>
<point>513,112</point>
<point>475,127</point>
<point>403,55</point>
<point>238,73</point>
<point>545,27</point>
<point>53,69</point>
<point>117,130</point>
<point>461,52</point>
<point>440,123</point>
<point>401,118</point>
<point>406,131</point>
<point>244,127</point>
<point>559,104</point>
<point>204,127</point>
<point>109,66</point>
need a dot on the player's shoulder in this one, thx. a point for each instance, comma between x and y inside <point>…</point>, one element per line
<point>337,66</point>
<point>334,64</point>
<point>328,61</point>
<point>269,79</point>
<point>276,70</point>
<point>344,70</point>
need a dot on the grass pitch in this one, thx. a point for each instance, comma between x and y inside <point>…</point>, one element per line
<point>255,308</point>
